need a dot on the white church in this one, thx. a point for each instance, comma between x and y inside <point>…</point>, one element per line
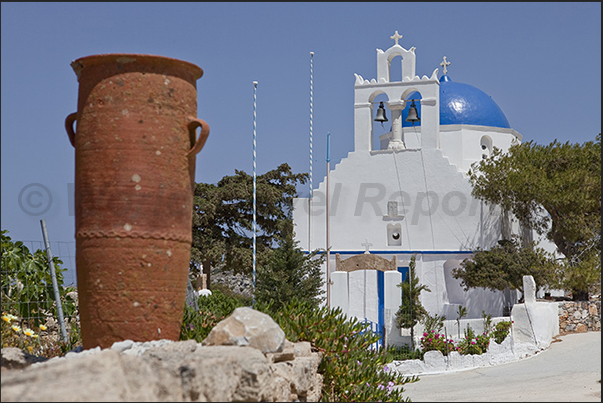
<point>407,192</point>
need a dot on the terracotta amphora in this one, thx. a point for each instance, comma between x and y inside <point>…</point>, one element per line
<point>135,147</point>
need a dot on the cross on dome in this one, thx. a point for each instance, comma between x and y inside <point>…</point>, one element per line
<point>444,64</point>
<point>396,37</point>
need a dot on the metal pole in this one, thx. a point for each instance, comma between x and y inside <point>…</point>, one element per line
<point>328,219</point>
<point>55,286</point>
<point>311,135</point>
<point>255,86</point>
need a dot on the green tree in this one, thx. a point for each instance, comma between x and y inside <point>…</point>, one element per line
<point>554,189</point>
<point>223,218</point>
<point>411,310</point>
<point>289,274</point>
<point>504,266</point>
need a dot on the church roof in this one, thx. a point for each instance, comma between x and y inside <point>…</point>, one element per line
<point>463,104</point>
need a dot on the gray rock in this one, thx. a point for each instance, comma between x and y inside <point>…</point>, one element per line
<point>246,326</point>
<point>168,371</point>
<point>15,358</point>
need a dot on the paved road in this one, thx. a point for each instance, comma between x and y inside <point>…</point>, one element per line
<point>568,371</point>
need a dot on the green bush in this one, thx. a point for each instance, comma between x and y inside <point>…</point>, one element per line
<point>435,323</point>
<point>469,345</point>
<point>351,370</point>
<point>28,299</point>
<point>435,341</point>
<point>401,353</point>
<point>213,308</point>
<point>501,331</point>
<point>27,285</point>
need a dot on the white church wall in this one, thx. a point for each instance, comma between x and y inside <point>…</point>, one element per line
<point>462,144</point>
<point>443,213</point>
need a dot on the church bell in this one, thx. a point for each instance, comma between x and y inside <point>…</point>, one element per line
<point>413,116</point>
<point>381,114</point>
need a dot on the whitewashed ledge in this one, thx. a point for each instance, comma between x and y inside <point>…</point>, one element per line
<point>434,362</point>
<point>534,326</point>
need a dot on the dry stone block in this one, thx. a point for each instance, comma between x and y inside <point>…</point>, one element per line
<point>15,358</point>
<point>167,371</point>
<point>246,326</point>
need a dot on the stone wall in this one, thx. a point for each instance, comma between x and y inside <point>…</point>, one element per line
<point>246,357</point>
<point>579,316</point>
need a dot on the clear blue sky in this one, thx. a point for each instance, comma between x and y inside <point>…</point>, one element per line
<point>541,63</point>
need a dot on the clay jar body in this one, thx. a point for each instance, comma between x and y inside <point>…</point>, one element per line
<point>135,147</point>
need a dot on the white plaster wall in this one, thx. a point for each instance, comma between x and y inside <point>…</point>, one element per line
<point>461,143</point>
<point>435,199</point>
<point>363,286</point>
<point>535,325</point>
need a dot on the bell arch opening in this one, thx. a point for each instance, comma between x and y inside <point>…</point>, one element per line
<point>381,120</point>
<point>395,68</point>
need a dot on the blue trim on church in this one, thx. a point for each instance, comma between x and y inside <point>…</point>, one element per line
<point>381,299</point>
<point>400,252</point>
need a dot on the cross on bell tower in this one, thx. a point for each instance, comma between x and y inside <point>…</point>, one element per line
<point>444,64</point>
<point>396,37</point>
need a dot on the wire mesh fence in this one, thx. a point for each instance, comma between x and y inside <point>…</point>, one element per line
<point>65,251</point>
<point>29,310</point>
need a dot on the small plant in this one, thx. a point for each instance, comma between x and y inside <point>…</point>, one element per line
<point>411,311</point>
<point>435,323</point>
<point>483,341</point>
<point>461,313</point>
<point>401,353</point>
<point>34,340</point>
<point>435,341</point>
<point>487,322</point>
<point>501,331</point>
<point>469,345</point>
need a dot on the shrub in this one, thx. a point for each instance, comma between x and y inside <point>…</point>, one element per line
<point>27,285</point>
<point>213,308</point>
<point>401,353</point>
<point>470,344</point>
<point>351,370</point>
<point>435,341</point>
<point>501,331</point>
<point>435,323</point>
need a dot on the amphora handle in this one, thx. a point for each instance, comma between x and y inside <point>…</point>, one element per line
<point>69,127</point>
<point>192,127</point>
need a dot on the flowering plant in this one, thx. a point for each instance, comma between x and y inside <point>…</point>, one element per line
<point>435,341</point>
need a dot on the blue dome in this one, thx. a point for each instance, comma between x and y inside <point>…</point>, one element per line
<point>463,104</point>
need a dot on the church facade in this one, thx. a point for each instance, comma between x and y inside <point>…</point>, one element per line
<point>406,192</point>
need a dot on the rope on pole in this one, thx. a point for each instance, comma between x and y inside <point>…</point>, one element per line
<point>311,135</point>
<point>255,86</point>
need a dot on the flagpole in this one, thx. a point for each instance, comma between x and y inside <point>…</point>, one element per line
<point>328,219</point>
<point>255,86</point>
<point>311,134</point>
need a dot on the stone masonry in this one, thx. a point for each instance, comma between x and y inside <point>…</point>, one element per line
<point>249,359</point>
<point>579,316</point>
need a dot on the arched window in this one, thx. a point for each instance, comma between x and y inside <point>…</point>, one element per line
<point>486,146</point>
